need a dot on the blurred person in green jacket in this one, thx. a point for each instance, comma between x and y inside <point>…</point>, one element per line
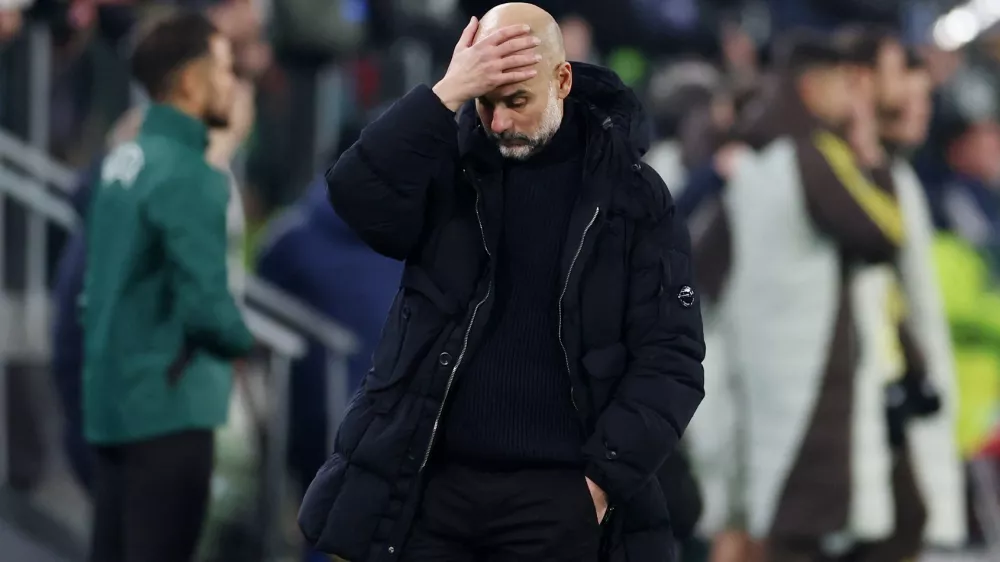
<point>160,324</point>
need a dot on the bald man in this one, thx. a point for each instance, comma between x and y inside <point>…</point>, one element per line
<point>543,355</point>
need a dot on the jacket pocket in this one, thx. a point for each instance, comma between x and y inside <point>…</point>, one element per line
<point>604,367</point>
<point>180,363</point>
<point>415,324</point>
<point>320,497</point>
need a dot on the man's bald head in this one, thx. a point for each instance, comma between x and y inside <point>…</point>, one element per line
<point>542,25</point>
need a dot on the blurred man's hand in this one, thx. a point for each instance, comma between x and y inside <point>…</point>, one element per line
<point>223,143</point>
<point>502,58</point>
<point>732,545</point>
<point>863,135</point>
<point>727,157</point>
<point>11,22</point>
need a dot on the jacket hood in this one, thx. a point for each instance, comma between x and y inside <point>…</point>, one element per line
<point>601,93</point>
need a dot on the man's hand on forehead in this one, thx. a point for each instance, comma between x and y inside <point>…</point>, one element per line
<point>542,26</point>
<point>502,49</point>
<point>505,56</point>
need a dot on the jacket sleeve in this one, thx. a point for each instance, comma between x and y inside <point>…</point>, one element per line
<point>191,220</point>
<point>379,186</point>
<point>664,380</point>
<point>845,203</point>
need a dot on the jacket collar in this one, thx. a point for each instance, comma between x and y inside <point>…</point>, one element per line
<point>168,121</point>
<point>616,134</point>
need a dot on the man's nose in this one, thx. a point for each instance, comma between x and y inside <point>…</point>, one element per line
<point>501,121</point>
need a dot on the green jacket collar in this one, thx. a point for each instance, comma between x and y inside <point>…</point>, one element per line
<point>165,120</point>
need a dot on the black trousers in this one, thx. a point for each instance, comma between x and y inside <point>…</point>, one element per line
<point>151,498</point>
<point>468,515</point>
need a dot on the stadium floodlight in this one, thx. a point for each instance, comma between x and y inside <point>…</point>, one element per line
<point>964,24</point>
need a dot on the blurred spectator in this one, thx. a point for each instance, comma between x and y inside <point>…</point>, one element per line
<point>879,64</point>
<point>12,19</point>
<point>927,483</point>
<point>67,334</point>
<point>351,284</point>
<point>578,39</point>
<point>242,23</point>
<point>972,304</point>
<point>679,95</point>
<point>971,203</point>
<point>799,204</point>
<point>740,55</point>
<point>908,131</point>
<point>157,375</point>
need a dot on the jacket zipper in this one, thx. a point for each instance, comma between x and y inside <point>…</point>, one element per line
<point>465,344</point>
<point>569,274</point>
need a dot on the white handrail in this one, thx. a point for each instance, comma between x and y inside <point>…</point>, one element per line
<point>34,195</point>
<point>300,316</point>
<point>36,162</point>
<point>29,193</point>
<point>277,337</point>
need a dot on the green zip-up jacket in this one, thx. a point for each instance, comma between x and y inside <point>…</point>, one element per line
<point>160,325</point>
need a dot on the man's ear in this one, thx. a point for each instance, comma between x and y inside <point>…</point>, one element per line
<point>190,80</point>
<point>185,82</point>
<point>564,79</point>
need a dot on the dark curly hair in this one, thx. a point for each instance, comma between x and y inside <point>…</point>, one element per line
<point>166,47</point>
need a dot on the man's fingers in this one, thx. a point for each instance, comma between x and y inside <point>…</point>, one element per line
<point>468,34</point>
<point>518,61</point>
<point>517,44</point>
<point>505,34</point>
<point>465,41</point>
<point>515,76</point>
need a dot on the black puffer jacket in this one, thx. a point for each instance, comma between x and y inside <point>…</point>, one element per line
<point>418,187</point>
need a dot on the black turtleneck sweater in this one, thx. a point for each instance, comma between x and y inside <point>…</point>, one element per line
<point>511,405</point>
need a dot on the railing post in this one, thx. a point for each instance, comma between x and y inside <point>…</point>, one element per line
<point>276,454</point>
<point>5,328</point>
<point>984,484</point>
<point>337,394</point>
<point>329,110</point>
<point>39,86</point>
<point>36,275</point>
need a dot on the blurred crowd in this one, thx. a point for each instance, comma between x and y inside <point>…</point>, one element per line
<point>719,88</point>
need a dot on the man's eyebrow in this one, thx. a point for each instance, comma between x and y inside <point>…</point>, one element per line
<point>518,93</point>
<point>506,98</point>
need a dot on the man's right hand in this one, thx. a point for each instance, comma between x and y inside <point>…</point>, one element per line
<point>504,57</point>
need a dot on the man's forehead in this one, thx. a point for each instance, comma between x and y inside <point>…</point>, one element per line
<point>519,88</point>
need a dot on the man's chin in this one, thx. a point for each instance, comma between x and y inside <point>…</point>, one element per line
<point>516,151</point>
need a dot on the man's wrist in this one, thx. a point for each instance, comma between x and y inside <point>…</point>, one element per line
<point>448,99</point>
